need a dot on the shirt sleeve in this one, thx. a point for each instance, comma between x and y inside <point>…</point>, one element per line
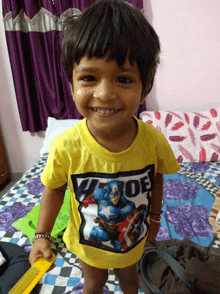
<point>54,175</point>
<point>167,163</point>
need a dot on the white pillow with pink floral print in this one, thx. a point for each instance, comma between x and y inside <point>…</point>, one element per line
<point>193,136</point>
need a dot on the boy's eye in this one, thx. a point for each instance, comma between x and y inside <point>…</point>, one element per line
<point>125,80</point>
<point>88,79</point>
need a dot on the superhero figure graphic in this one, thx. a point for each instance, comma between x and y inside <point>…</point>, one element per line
<point>118,220</point>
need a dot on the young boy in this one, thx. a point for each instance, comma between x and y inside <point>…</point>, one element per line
<point>112,162</point>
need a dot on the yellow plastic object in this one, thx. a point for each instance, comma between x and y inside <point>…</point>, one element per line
<point>32,276</point>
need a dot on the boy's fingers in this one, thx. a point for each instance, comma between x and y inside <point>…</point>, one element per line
<point>34,257</point>
<point>37,257</point>
<point>48,255</point>
<point>50,258</point>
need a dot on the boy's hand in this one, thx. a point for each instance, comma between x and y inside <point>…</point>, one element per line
<point>41,248</point>
<point>154,228</point>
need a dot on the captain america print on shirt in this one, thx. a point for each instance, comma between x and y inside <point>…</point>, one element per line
<point>114,208</point>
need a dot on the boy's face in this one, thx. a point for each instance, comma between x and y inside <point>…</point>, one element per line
<point>106,94</point>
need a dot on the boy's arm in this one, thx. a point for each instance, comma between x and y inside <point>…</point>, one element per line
<point>156,202</point>
<point>50,206</point>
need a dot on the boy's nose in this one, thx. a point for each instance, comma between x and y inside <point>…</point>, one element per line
<point>105,91</point>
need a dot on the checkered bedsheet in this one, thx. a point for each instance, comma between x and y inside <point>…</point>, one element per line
<point>68,272</point>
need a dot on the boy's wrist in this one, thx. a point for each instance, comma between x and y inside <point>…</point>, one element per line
<point>46,236</point>
<point>156,213</point>
<point>156,219</point>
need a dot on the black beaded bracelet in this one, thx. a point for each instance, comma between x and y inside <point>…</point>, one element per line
<point>156,213</point>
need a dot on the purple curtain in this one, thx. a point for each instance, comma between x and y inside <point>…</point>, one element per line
<point>42,90</point>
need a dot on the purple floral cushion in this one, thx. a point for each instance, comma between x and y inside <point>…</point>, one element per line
<point>12,214</point>
<point>35,186</point>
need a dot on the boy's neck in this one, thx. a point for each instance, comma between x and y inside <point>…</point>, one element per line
<point>117,140</point>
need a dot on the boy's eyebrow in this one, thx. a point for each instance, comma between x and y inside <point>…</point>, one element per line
<point>130,69</point>
<point>92,69</point>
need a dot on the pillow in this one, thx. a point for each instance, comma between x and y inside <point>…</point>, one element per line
<point>55,127</point>
<point>193,136</point>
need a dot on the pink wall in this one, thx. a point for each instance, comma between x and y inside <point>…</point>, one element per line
<point>189,75</point>
<point>187,79</point>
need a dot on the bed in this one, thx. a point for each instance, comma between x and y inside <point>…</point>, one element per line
<point>191,197</point>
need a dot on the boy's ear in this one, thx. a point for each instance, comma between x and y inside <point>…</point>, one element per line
<point>71,87</point>
<point>143,96</point>
<point>146,91</point>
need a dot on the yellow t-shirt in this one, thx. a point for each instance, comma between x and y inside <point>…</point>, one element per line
<point>110,192</point>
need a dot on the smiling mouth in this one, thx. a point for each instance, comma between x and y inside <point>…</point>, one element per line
<point>105,111</point>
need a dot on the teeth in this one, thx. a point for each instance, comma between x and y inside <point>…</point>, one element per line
<point>107,111</point>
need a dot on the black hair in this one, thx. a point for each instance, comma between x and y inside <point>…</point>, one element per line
<point>113,26</point>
